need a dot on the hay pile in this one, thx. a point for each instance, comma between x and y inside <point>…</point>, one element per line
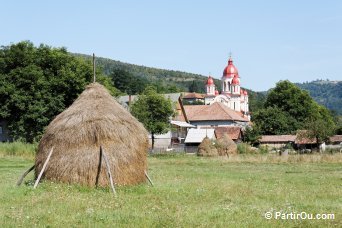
<point>225,146</point>
<point>76,134</point>
<point>206,148</point>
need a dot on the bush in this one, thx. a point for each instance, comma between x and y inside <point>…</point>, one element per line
<point>245,148</point>
<point>263,149</point>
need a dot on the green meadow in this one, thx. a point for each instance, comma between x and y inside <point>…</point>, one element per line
<point>188,191</point>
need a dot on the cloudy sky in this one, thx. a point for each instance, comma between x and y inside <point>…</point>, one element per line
<point>269,40</point>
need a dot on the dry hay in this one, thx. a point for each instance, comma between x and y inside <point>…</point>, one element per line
<point>226,146</point>
<point>76,134</point>
<point>206,148</point>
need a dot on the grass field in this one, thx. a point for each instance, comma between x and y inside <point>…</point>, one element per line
<point>188,192</point>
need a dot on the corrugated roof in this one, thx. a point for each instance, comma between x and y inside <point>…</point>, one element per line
<point>197,135</point>
<point>233,132</point>
<point>182,124</point>
<point>277,138</point>
<point>216,111</point>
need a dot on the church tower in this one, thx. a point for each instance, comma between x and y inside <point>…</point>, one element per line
<point>210,86</point>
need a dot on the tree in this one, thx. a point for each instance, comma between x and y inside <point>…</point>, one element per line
<point>252,135</point>
<point>154,111</point>
<point>36,84</point>
<point>320,126</point>
<point>288,109</point>
<point>274,121</point>
<point>289,98</point>
<point>128,83</point>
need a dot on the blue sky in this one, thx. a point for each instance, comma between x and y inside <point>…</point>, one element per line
<point>269,40</point>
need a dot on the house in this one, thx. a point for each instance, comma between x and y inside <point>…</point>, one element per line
<point>233,132</point>
<point>193,98</point>
<point>277,141</point>
<point>4,132</point>
<point>214,115</point>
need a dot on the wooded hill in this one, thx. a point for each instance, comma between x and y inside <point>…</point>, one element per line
<point>327,93</point>
<point>172,81</point>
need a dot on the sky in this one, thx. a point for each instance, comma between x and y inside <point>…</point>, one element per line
<point>270,40</point>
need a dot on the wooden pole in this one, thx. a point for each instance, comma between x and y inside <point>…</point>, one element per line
<point>94,67</point>
<point>42,171</point>
<point>108,170</point>
<point>24,175</point>
<point>148,178</point>
<point>99,169</point>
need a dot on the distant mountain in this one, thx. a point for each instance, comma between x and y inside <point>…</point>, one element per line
<point>325,92</point>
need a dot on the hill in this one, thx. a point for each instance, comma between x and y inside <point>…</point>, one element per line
<point>325,92</point>
<point>183,81</point>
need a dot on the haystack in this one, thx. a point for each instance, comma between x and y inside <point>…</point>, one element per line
<point>95,119</point>
<point>226,146</point>
<point>207,149</point>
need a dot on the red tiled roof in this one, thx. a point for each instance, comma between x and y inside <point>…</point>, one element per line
<point>216,111</point>
<point>335,138</point>
<point>193,96</point>
<point>277,138</point>
<point>233,132</point>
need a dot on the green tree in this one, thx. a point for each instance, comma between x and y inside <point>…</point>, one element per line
<point>274,121</point>
<point>252,135</point>
<point>289,98</point>
<point>154,111</point>
<point>128,83</point>
<point>36,84</point>
<point>320,126</point>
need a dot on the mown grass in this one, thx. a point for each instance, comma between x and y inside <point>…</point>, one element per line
<point>188,192</point>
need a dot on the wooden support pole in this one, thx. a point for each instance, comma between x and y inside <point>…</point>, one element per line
<point>94,67</point>
<point>99,169</point>
<point>24,175</point>
<point>108,170</point>
<point>148,178</point>
<point>42,171</point>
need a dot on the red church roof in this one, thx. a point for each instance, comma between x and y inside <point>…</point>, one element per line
<point>230,70</point>
<point>210,81</point>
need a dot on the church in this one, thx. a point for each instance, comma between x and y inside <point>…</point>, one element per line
<point>231,95</point>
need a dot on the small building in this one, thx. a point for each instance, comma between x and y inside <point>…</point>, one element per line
<point>335,140</point>
<point>233,132</point>
<point>196,136</point>
<point>277,141</point>
<point>193,98</point>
